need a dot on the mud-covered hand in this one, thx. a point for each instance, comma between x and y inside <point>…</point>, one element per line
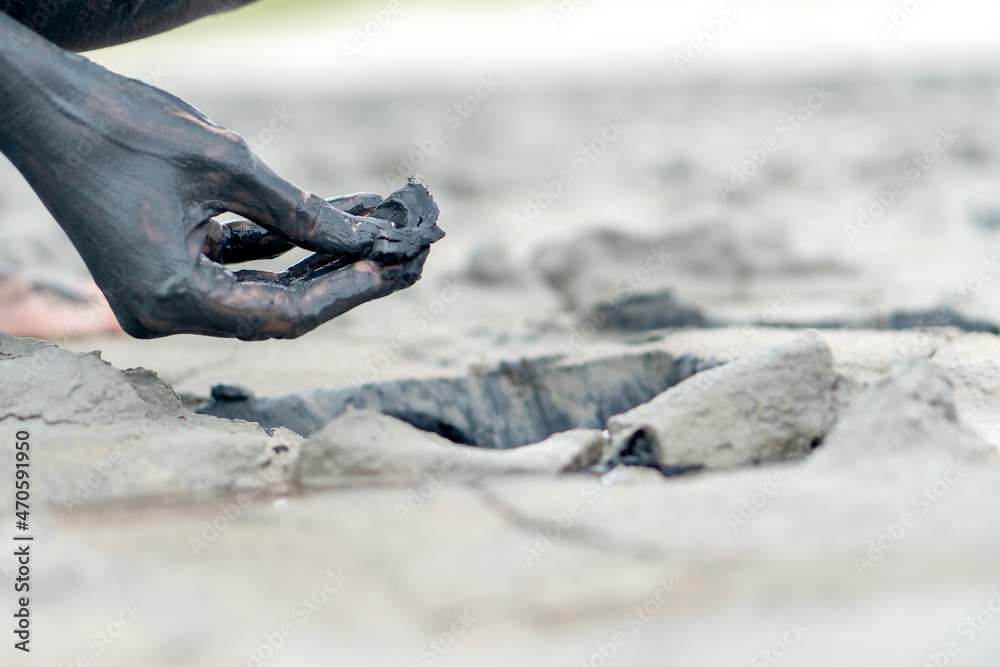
<point>135,177</point>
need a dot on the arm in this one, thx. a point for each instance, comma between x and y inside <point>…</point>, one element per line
<point>135,177</point>
<point>81,25</point>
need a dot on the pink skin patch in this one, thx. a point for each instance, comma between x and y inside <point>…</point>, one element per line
<point>26,311</point>
<point>366,266</point>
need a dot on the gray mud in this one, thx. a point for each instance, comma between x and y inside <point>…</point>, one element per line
<point>810,450</point>
<point>511,406</point>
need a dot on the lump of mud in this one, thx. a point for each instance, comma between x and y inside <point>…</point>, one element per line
<point>647,312</point>
<point>41,382</point>
<point>371,445</point>
<point>597,266</point>
<point>902,320</point>
<point>910,410</point>
<point>100,434</point>
<point>939,317</point>
<point>412,208</point>
<point>776,404</point>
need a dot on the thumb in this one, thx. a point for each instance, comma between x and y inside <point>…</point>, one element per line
<point>303,218</point>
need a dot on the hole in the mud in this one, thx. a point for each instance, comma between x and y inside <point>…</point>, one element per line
<point>678,471</point>
<point>513,405</point>
<point>232,393</point>
<point>641,450</point>
<point>434,424</point>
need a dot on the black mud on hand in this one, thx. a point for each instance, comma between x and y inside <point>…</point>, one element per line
<point>414,213</point>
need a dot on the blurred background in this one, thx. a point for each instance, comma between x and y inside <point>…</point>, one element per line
<point>715,141</point>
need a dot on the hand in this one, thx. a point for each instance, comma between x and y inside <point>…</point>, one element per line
<point>135,177</point>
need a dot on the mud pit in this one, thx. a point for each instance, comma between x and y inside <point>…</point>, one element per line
<point>512,406</point>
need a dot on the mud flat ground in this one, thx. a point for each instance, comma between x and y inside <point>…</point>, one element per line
<point>836,506</point>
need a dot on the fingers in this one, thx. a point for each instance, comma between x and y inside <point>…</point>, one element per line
<point>406,273</point>
<point>318,265</point>
<point>321,264</point>
<point>409,207</point>
<point>334,227</point>
<point>259,306</point>
<point>414,215</point>
<point>242,241</point>
<point>357,204</point>
<point>302,218</point>
<point>245,241</point>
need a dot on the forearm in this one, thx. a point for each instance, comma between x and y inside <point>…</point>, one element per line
<point>35,84</point>
<point>82,25</point>
<point>60,114</point>
<point>57,108</point>
<point>26,64</point>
